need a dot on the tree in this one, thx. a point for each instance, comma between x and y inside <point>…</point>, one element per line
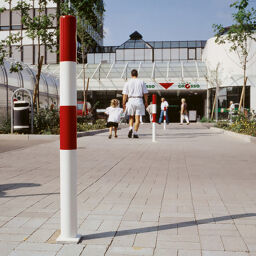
<point>86,13</point>
<point>213,79</point>
<point>6,48</point>
<point>38,29</point>
<point>238,35</point>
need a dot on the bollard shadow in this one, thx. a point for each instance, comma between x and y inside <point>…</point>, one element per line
<point>13,186</point>
<point>165,227</point>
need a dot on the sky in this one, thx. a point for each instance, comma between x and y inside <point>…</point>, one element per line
<point>160,20</point>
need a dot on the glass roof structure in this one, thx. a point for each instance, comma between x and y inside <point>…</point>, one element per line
<point>112,76</point>
<point>26,78</point>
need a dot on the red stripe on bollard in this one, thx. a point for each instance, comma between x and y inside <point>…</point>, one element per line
<point>68,125</point>
<point>67,35</point>
<point>164,113</point>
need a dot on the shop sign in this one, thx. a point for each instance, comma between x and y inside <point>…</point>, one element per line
<point>166,85</point>
<point>150,86</point>
<point>188,86</point>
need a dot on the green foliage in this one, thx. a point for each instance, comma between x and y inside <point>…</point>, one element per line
<point>243,28</point>
<point>240,124</point>
<point>5,127</point>
<point>206,120</point>
<point>100,124</point>
<point>46,121</point>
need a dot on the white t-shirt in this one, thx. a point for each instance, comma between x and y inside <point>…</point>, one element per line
<point>164,104</point>
<point>232,108</point>
<point>114,114</point>
<point>135,88</point>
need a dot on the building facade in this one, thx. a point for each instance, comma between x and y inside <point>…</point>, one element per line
<point>10,22</point>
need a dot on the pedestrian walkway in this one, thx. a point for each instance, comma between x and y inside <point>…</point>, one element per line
<point>192,193</point>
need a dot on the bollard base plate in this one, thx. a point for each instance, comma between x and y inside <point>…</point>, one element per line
<point>63,240</point>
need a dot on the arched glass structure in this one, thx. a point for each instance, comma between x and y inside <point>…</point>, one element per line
<point>26,78</point>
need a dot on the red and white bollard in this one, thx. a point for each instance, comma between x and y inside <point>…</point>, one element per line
<point>68,137</point>
<point>164,118</point>
<point>154,118</point>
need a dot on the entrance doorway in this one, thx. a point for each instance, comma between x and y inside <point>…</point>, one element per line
<point>195,101</point>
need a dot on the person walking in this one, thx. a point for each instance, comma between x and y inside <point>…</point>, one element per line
<point>164,104</point>
<point>114,114</point>
<point>133,93</point>
<point>184,112</point>
<point>150,111</point>
<point>231,111</point>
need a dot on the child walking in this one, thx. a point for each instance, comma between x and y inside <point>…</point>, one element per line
<point>114,114</point>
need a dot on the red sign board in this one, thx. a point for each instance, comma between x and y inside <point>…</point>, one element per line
<point>166,85</point>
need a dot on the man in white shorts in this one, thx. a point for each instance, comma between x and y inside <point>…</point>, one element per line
<point>135,90</point>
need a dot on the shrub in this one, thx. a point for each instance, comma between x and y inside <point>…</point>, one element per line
<point>5,127</point>
<point>206,120</point>
<point>240,124</point>
<point>46,121</point>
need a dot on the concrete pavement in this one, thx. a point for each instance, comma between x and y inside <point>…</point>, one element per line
<point>191,193</point>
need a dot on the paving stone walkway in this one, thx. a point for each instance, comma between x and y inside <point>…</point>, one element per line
<point>192,193</point>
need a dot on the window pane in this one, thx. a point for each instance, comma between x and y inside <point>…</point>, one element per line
<point>28,54</point>
<point>191,44</point>
<point>16,18</point>
<point>148,54</point>
<point>175,44</point>
<point>192,54</point>
<point>105,57</point>
<point>166,44</point>
<point>184,44</point>
<point>119,54</point>
<point>166,54</point>
<point>175,54</point>
<point>52,11</point>
<point>198,53</point>
<point>129,54</point>
<point>158,54</point>
<point>98,58</point>
<point>16,54</point>
<point>90,58</point>
<point>159,44</point>
<point>42,53</point>
<point>5,18</point>
<point>183,54</point>
<point>139,54</point>
<point>51,56</point>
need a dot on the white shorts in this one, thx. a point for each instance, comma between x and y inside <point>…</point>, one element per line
<point>135,106</point>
